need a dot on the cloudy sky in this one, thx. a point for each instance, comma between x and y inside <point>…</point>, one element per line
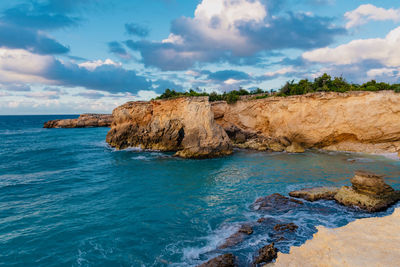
<point>75,56</point>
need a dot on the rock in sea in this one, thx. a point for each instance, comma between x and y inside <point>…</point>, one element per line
<point>84,121</point>
<point>226,260</point>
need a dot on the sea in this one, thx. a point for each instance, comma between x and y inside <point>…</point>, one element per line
<point>68,199</point>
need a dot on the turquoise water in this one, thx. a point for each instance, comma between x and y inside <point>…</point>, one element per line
<point>67,199</point>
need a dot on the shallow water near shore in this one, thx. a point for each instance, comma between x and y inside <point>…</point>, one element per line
<point>66,198</point>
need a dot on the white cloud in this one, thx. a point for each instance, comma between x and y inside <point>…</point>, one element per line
<point>368,12</point>
<point>384,72</point>
<point>279,72</point>
<point>384,50</point>
<point>231,81</point>
<point>92,65</point>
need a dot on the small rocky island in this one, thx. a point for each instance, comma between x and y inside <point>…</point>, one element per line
<point>84,121</point>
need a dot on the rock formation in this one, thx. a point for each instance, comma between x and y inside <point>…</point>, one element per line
<point>84,121</point>
<point>275,203</point>
<point>183,125</point>
<point>369,192</point>
<point>316,193</point>
<point>226,260</point>
<point>266,254</point>
<point>364,242</point>
<point>238,237</point>
<point>353,121</point>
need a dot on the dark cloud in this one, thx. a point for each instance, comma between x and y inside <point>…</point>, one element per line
<point>12,36</point>
<point>110,78</point>
<point>297,31</point>
<point>136,30</point>
<point>117,49</point>
<point>16,87</point>
<point>229,74</point>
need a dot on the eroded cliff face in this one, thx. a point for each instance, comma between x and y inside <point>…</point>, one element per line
<point>355,121</point>
<point>184,125</point>
<point>84,121</point>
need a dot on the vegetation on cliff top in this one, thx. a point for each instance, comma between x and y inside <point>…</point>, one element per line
<point>324,83</point>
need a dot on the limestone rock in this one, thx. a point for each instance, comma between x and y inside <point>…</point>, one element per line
<point>368,192</point>
<point>238,237</point>
<point>353,121</point>
<point>183,125</point>
<point>315,193</point>
<point>226,260</point>
<point>266,254</point>
<point>84,121</point>
<point>295,148</point>
<point>364,242</point>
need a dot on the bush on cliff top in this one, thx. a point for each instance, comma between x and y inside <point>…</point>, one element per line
<point>324,83</point>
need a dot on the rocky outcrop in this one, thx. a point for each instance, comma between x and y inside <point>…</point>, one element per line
<point>316,193</point>
<point>266,254</point>
<point>365,242</point>
<point>84,121</point>
<point>226,260</point>
<point>369,192</point>
<point>275,203</point>
<point>238,237</point>
<point>183,125</point>
<point>353,121</point>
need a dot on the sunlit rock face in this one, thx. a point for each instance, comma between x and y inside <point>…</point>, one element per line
<point>353,121</point>
<point>365,242</point>
<point>84,121</point>
<point>183,125</point>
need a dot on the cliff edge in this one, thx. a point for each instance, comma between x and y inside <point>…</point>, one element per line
<point>183,125</point>
<point>353,121</point>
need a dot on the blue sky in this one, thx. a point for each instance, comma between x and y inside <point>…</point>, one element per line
<point>76,56</point>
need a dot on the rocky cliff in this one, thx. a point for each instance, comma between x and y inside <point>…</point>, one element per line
<point>365,242</point>
<point>184,125</point>
<point>84,121</point>
<point>354,121</point>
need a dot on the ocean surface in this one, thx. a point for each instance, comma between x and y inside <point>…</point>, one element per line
<point>67,199</point>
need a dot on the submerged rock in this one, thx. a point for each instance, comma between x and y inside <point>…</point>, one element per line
<point>369,192</point>
<point>286,227</point>
<point>315,193</point>
<point>238,237</point>
<point>226,260</point>
<point>295,148</point>
<point>266,254</point>
<point>275,202</point>
<point>183,125</point>
<point>84,121</point>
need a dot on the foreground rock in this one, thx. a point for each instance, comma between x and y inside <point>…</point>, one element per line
<point>238,237</point>
<point>184,125</point>
<point>84,121</point>
<point>266,254</point>
<point>352,121</point>
<point>365,242</point>
<point>316,193</point>
<point>369,192</point>
<point>226,260</point>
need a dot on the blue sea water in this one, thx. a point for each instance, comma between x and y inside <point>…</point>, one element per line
<point>67,199</point>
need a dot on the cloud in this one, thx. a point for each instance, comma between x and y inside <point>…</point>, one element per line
<point>369,12</point>
<point>382,50</point>
<point>136,30</point>
<point>234,31</point>
<point>117,49</point>
<point>18,66</point>
<point>231,75</point>
<point>161,84</point>
<point>283,71</point>
<point>35,41</point>
<point>15,87</point>
<point>91,94</point>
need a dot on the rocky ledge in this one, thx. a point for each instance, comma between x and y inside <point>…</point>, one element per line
<point>365,242</point>
<point>368,192</point>
<point>183,125</point>
<point>84,121</point>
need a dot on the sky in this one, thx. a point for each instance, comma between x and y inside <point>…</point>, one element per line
<point>85,56</point>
